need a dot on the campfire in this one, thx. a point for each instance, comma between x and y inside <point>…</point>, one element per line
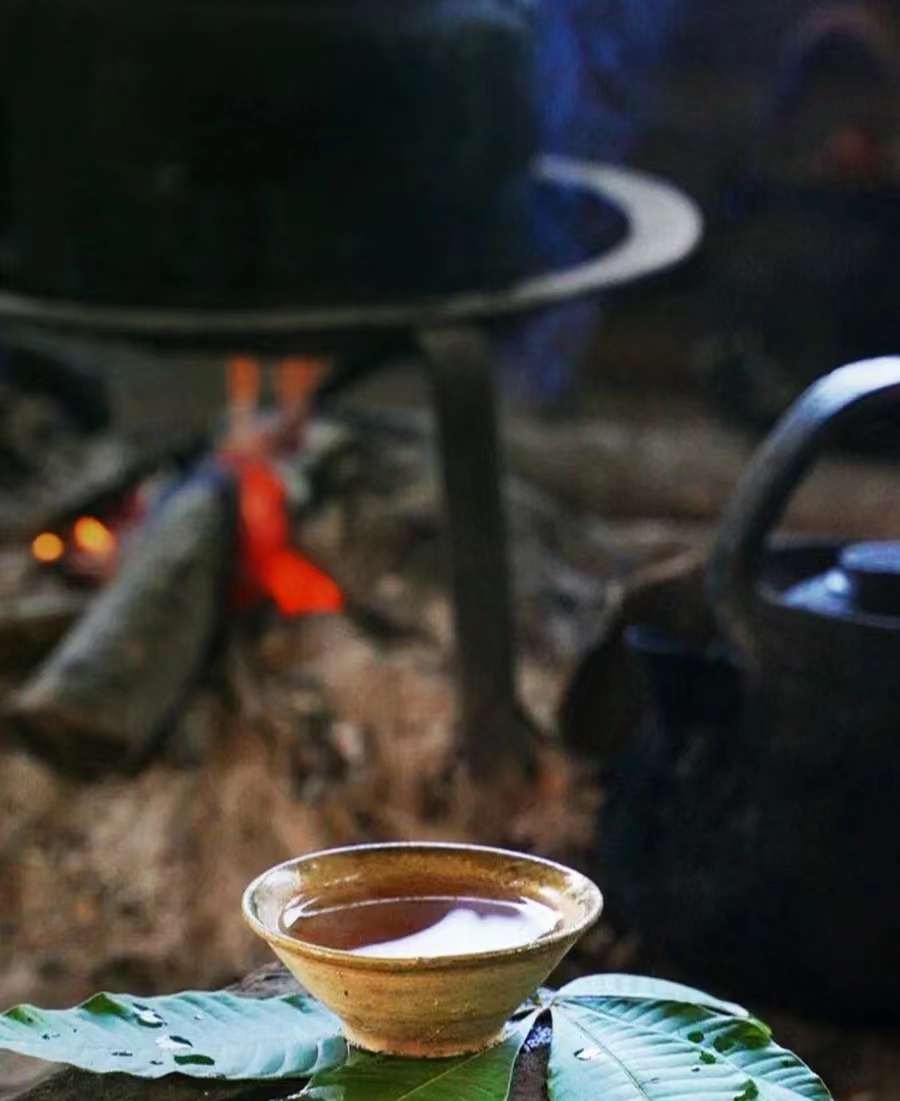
<point>211,543</point>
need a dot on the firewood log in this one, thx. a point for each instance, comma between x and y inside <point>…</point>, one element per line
<point>104,696</point>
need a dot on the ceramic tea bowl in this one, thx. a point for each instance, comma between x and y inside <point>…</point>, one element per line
<point>430,1005</point>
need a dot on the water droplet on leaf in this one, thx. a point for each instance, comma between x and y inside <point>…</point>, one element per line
<point>588,1054</point>
<point>194,1060</point>
<point>149,1019</point>
<point>173,1043</point>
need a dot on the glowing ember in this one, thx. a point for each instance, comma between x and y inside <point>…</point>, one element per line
<point>92,536</point>
<point>48,547</point>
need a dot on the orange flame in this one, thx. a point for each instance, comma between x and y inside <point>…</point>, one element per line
<point>243,381</point>
<point>48,547</point>
<point>296,379</point>
<point>270,566</point>
<point>92,536</point>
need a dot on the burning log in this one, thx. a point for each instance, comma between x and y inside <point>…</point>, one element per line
<point>103,698</point>
<point>221,541</point>
<point>89,480</point>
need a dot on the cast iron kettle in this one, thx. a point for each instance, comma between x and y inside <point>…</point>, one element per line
<point>752,832</point>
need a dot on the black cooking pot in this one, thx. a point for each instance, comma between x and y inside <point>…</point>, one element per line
<point>229,153</point>
<point>751,830</point>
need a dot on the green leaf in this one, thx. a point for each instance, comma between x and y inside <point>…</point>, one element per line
<point>204,1035</point>
<point>645,988</point>
<point>484,1076</point>
<point>625,1049</point>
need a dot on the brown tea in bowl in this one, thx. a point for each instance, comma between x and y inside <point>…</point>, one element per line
<point>423,927</point>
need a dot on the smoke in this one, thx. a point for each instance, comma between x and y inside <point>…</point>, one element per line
<point>597,72</point>
<point>597,83</point>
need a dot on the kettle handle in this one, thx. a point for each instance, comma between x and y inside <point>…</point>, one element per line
<point>813,421</point>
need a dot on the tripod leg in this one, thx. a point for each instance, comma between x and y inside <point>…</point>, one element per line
<point>495,734</point>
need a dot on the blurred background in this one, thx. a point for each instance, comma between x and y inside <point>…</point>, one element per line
<point>254,582</point>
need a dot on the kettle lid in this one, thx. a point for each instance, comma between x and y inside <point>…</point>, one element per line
<point>865,581</point>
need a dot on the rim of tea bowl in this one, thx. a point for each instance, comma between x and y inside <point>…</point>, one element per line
<point>431,1006</point>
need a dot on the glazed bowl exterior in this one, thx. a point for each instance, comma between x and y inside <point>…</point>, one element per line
<point>432,1006</point>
